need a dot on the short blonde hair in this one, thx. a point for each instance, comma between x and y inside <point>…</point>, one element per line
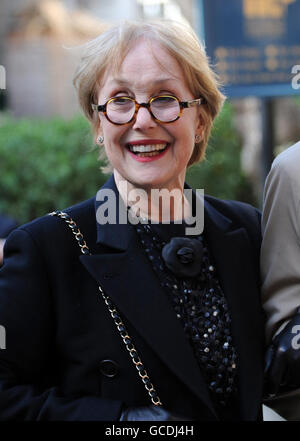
<point>111,47</point>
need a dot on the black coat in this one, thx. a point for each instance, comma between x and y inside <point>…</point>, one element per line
<point>64,358</point>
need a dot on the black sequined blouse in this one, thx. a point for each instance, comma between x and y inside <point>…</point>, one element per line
<point>186,271</point>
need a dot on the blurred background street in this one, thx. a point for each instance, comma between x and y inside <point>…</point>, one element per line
<point>47,156</point>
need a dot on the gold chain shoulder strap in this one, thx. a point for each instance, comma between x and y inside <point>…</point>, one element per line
<point>127,340</point>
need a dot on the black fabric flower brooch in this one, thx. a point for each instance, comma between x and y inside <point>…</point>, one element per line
<point>183,256</point>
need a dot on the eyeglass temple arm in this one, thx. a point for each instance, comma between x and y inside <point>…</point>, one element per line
<point>99,108</point>
<point>193,103</point>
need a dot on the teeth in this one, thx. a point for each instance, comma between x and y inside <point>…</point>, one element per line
<point>146,148</point>
<point>145,155</point>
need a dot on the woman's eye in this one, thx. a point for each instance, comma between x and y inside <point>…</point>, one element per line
<point>121,100</point>
<point>164,99</point>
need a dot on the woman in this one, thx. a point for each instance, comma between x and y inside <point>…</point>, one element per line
<point>190,305</point>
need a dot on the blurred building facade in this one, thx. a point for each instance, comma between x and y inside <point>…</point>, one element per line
<point>35,35</point>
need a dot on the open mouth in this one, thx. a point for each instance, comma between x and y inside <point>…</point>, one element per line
<point>149,150</point>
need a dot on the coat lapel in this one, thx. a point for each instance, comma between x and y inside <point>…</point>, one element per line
<point>232,255</point>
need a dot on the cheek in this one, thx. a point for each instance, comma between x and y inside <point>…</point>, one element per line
<point>185,137</point>
<point>113,136</point>
<point>186,143</point>
<point>107,130</point>
<point>103,122</point>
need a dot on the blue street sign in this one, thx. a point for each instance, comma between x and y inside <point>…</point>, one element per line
<point>254,45</point>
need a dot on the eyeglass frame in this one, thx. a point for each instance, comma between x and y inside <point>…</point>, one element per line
<point>182,105</point>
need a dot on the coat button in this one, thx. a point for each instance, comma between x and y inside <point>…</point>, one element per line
<point>109,368</point>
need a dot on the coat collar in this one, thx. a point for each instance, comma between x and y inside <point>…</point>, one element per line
<point>116,271</point>
<point>214,220</point>
<point>106,234</point>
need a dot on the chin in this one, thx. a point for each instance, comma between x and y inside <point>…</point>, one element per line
<point>150,183</point>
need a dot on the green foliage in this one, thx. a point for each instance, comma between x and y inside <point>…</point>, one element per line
<point>49,165</point>
<point>296,100</point>
<point>45,166</point>
<point>220,175</point>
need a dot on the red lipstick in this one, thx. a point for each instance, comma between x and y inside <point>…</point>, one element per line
<point>147,142</point>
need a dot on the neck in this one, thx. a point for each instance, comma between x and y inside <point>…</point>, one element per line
<point>157,204</point>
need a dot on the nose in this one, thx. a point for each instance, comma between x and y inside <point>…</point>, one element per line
<point>144,119</point>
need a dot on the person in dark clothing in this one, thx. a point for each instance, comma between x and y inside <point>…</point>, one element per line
<point>122,307</point>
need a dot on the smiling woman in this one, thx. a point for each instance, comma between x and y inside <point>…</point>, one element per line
<point>184,52</point>
<point>140,168</point>
<point>177,331</point>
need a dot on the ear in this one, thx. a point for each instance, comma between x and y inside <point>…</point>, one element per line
<point>200,124</point>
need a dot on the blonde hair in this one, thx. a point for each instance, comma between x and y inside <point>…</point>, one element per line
<point>111,47</point>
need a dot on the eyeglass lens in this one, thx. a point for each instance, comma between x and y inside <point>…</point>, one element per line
<point>121,110</point>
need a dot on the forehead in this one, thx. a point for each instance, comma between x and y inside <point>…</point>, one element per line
<point>146,63</point>
<point>150,55</point>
